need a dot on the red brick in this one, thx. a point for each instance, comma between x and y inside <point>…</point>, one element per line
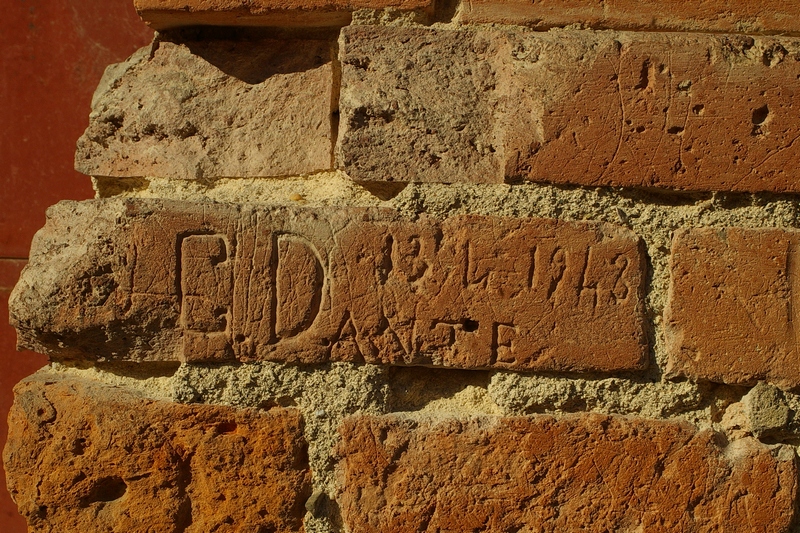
<point>84,456</point>
<point>165,14</point>
<point>675,110</point>
<point>578,473</point>
<point>732,311</point>
<point>161,280</point>
<point>769,16</point>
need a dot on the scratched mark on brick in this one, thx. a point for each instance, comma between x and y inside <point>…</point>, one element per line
<point>206,296</point>
<point>367,285</point>
<point>685,111</point>
<point>299,282</point>
<point>745,283</point>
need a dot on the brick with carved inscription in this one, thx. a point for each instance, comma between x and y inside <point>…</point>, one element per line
<point>586,472</point>
<point>161,280</point>
<point>731,16</point>
<point>732,315</point>
<point>83,455</point>
<point>675,110</point>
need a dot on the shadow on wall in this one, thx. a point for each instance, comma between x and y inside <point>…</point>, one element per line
<point>254,55</point>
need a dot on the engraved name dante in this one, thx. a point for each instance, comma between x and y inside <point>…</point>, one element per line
<point>368,286</point>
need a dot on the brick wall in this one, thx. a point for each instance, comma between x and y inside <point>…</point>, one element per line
<point>416,266</point>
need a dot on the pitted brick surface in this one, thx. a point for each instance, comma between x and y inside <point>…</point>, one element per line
<point>213,103</point>
<point>150,280</point>
<point>674,110</point>
<point>731,16</point>
<point>733,310</point>
<point>85,456</point>
<point>580,473</point>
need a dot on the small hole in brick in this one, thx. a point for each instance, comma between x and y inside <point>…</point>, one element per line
<point>106,489</point>
<point>79,446</point>
<point>675,130</point>
<point>470,325</point>
<point>760,115</point>
<point>226,428</point>
<point>699,109</point>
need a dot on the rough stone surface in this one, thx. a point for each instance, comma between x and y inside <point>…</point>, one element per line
<point>694,112</point>
<point>732,311</point>
<point>85,456</point>
<point>581,473</point>
<point>202,105</point>
<point>767,410</point>
<point>161,280</point>
<point>161,14</point>
<point>420,105</point>
<point>769,16</point>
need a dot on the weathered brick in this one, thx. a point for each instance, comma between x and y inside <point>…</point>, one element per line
<point>85,456</point>
<point>695,112</point>
<point>190,106</point>
<point>420,105</point>
<point>732,310</point>
<point>152,279</point>
<point>578,473</point>
<point>166,14</point>
<point>769,16</point>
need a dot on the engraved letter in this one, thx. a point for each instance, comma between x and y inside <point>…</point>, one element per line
<point>206,290</point>
<point>299,282</point>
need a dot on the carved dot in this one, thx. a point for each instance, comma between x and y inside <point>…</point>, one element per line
<point>640,129</point>
<point>760,115</point>
<point>470,325</point>
<point>699,109</point>
<point>675,130</point>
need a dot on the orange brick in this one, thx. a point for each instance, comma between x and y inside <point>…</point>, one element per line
<point>732,313</point>
<point>675,110</point>
<point>161,280</point>
<point>85,456</point>
<point>768,16</point>
<point>165,14</point>
<point>579,473</point>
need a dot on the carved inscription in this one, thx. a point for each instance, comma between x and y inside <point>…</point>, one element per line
<point>299,281</point>
<point>206,296</point>
<point>366,285</point>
